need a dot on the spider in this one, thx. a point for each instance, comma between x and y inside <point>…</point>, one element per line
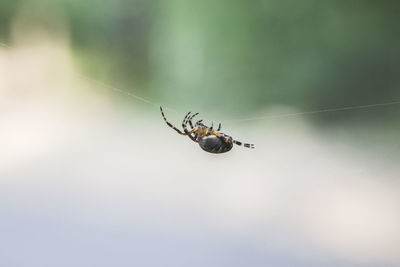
<point>208,139</point>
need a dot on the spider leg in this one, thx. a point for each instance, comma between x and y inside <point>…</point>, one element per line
<point>184,126</point>
<point>244,144</point>
<point>219,127</point>
<point>193,129</point>
<point>191,118</point>
<point>169,124</point>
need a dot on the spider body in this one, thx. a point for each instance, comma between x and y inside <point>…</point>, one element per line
<point>208,139</point>
<point>213,144</point>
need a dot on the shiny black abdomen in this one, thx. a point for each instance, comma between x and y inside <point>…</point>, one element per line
<point>214,144</point>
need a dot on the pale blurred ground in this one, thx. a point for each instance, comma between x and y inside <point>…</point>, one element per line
<point>86,182</point>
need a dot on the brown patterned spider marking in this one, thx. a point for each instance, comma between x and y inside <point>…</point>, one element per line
<point>208,139</point>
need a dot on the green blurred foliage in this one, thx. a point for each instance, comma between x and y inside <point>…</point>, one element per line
<point>239,56</point>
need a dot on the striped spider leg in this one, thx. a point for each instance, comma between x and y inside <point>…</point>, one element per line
<point>186,132</point>
<point>189,119</point>
<point>212,127</point>
<point>184,126</point>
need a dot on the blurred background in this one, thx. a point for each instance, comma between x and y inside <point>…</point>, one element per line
<point>90,175</point>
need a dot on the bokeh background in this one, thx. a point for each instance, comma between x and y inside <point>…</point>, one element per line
<point>90,175</point>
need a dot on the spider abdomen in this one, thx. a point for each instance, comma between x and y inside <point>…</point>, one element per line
<point>213,144</point>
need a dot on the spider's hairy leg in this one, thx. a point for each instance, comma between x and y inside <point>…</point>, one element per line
<point>184,122</point>
<point>192,128</point>
<point>169,124</point>
<point>209,130</point>
<point>191,118</point>
<point>184,126</point>
<point>219,127</point>
<point>244,144</point>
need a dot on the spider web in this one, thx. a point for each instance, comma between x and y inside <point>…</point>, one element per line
<point>157,105</point>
